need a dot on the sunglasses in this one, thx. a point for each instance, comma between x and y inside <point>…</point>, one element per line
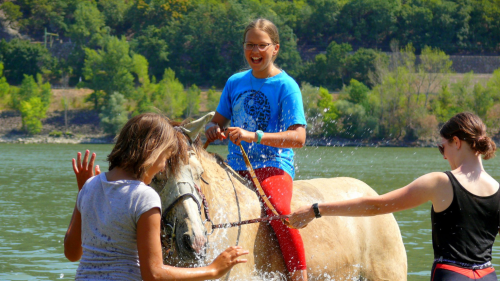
<point>441,149</point>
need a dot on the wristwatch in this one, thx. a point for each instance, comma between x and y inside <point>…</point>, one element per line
<point>259,135</point>
<point>316,210</point>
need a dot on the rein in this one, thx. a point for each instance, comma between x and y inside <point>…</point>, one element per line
<point>260,192</point>
<point>229,224</point>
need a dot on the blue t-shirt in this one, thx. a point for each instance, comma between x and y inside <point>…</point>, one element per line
<point>271,105</point>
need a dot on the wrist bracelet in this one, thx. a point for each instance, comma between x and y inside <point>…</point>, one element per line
<point>259,135</point>
<point>316,210</point>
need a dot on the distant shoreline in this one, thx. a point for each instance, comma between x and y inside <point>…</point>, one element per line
<point>106,139</point>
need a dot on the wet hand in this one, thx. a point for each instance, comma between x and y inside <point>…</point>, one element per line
<point>301,217</point>
<point>214,132</point>
<point>84,170</point>
<point>227,259</point>
<point>237,135</point>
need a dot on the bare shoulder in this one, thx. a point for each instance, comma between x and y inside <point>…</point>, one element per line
<point>431,180</point>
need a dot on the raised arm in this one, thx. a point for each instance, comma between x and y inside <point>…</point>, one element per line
<point>151,261</point>
<point>424,189</point>
<point>73,238</point>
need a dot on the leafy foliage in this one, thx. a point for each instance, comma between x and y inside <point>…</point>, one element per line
<point>32,100</point>
<point>109,70</point>
<point>113,115</point>
<point>20,58</point>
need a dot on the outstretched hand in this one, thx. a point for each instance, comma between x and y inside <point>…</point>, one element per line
<point>301,217</point>
<point>227,259</point>
<point>84,170</point>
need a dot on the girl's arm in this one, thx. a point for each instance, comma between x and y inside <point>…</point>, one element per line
<point>294,137</point>
<point>151,261</point>
<point>73,238</point>
<point>421,190</point>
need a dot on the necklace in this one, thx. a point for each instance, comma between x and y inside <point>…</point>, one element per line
<point>251,83</point>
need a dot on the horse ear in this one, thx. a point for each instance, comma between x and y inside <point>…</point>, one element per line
<point>193,128</point>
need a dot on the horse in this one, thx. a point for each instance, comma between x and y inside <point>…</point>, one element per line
<point>199,190</point>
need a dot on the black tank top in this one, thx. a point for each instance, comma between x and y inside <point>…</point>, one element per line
<point>466,230</point>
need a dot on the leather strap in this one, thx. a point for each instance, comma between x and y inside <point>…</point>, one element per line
<point>257,183</point>
<point>316,210</point>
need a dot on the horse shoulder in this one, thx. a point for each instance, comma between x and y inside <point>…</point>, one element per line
<point>349,246</point>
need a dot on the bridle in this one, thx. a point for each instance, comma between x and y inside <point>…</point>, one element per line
<point>168,238</point>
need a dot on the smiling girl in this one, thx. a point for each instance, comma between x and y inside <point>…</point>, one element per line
<point>265,111</point>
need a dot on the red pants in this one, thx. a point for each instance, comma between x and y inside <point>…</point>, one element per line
<point>278,187</point>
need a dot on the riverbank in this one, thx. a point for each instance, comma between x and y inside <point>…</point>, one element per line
<point>82,127</point>
<point>106,139</point>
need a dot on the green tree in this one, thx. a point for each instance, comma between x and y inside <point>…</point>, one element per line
<point>32,111</point>
<point>351,121</point>
<point>115,14</point>
<point>318,22</point>
<point>113,115</point>
<point>109,70</point>
<point>20,58</point>
<point>4,86</point>
<point>313,113</point>
<point>89,25</point>
<point>483,101</point>
<point>151,44</point>
<point>444,105</point>
<point>360,64</point>
<point>213,98</point>
<point>40,14</point>
<point>358,93</point>
<point>192,101</point>
<point>205,46</point>
<point>169,97</point>
<point>328,70</point>
<point>493,85</point>
<point>434,66</point>
<point>370,22</point>
<point>330,112</point>
<point>32,100</point>
<point>11,11</point>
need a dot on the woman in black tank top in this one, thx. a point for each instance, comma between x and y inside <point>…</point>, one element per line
<point>465,203</point>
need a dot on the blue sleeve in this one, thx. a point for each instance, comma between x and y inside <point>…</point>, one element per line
<point>224,107</point>
<point>292,108</point>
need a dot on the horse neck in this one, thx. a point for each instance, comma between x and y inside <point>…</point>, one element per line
<point>225,185</point>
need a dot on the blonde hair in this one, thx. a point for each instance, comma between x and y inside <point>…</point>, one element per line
<point>268,27</point>
<point>141,142</point>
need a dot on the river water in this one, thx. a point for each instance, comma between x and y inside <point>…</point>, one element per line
<point>38,192</point>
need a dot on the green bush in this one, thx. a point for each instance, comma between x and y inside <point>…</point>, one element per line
<point>32,111</point>
<point>114,115</point>
<point>55,134</point>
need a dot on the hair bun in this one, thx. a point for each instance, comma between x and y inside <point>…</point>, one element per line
<point>486,146</point>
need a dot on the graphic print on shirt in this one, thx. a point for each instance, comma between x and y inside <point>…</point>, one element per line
<point>255,111</point>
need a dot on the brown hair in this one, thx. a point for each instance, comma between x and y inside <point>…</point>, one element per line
<point>268,27</point>
<point>140,142</point>
<point>469,128</point>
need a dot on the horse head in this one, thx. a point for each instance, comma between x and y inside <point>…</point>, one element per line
<point>184,236</point>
